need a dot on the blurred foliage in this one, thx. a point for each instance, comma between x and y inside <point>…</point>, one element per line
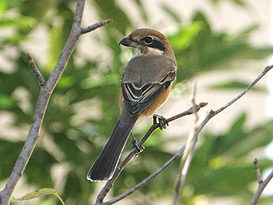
<point>235,84</point>
<point>242,3</point>
<point>84,105</point>
<point>222,164</point>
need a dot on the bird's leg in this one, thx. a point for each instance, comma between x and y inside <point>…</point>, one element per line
<point>135,144</point>
<point>161,120</point>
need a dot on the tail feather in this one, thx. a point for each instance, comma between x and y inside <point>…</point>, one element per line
<point>107,161</point>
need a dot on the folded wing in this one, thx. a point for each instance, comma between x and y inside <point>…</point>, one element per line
<point>137,96</point>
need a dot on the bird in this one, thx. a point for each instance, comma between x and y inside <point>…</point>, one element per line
<point>145,86</point>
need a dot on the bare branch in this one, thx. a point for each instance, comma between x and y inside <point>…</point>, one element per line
<point>95,26</point>
<point>149,178</point>
<point>42,103</point>
<point>212,113</point>
<point>267,68</point>
<point>36,71</point>
<point>188,112</point>
<point>200,125</point>
<point>110,182</point>
<point>262,184</point>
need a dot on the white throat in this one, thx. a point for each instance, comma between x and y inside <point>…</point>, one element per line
<point>150,51</point>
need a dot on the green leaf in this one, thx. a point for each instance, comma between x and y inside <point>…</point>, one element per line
<point>9,152</point>
<point>3,6</point>
<point>204,50</point>
<point>221,165</point>
<point>185,36</point>
<point>37,193</point>
<point>241,3</point>
<point>41,8</point>
<point>22,23</point>
<point>110,10</point>
<point>56,45</point>
<point>6,101</point>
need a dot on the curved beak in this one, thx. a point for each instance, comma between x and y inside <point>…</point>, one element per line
<point>128,42</point>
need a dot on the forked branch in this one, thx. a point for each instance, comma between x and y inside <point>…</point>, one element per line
<point>200,124</point>
<point>135,151</point>
<point>47,88</point>
<point>210,115</point>
<point>262,183</point>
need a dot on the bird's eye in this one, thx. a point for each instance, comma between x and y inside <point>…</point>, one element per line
<point>148,40</point>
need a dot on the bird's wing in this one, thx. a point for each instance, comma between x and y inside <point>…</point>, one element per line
<point>137,96</point>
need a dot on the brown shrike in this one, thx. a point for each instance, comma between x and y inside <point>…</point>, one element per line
<point>146,84</point>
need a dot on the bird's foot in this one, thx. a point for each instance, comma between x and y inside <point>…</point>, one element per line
<point>162,121</point>
<point>135,145</point>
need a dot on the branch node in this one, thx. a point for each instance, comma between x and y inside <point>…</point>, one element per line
<point>257,170</point>
<point>203,104</point>
<point>36,71</point>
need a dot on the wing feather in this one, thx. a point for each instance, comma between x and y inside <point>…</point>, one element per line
<point>138,96</point>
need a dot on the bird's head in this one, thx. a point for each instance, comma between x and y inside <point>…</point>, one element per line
<point>147,42</point>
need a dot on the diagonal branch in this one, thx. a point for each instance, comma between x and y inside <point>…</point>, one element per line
<point>40,110</point>
<point>149,178</point>
<point>212,113</point>
<point>135,151</point>
<point>266,69</point>
<point>201,125</point>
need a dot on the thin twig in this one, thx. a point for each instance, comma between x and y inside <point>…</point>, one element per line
<point>95,26</point>
<point>212,113</point>
<point>188,153</point>
<point>262,184</point>
<point>36,71</point>
<point>257,170</point>
<point>181,176</point>
<point>188,112</point>
<point>267,68</point>
<point>193,102</point>
<point>45,93</point>
<point>110,182</point>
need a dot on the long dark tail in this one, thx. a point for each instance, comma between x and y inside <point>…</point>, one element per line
<point>107,161</point>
